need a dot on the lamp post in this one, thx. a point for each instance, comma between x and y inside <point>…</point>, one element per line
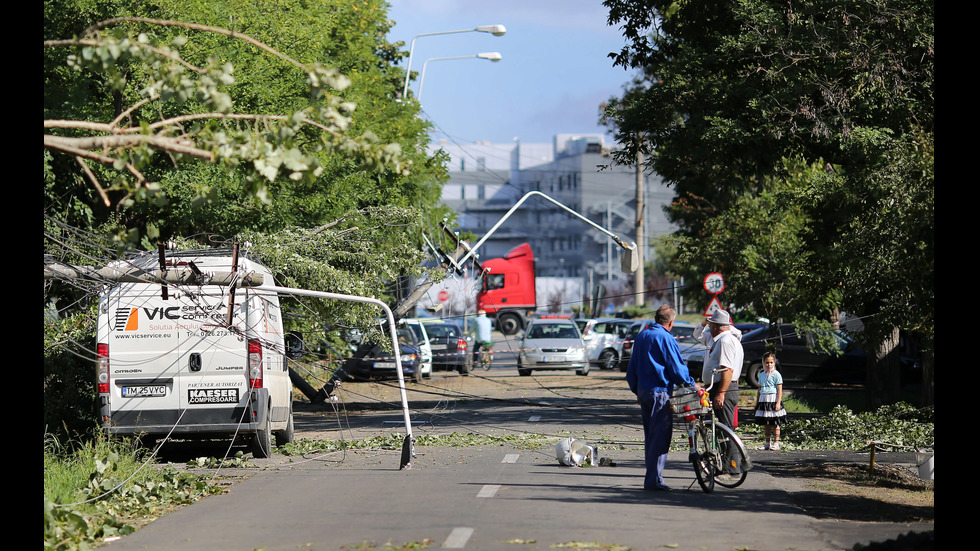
<point>492,56</point>
<point>496,30</point>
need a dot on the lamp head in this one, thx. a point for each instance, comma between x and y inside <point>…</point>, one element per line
<point>496,30</point>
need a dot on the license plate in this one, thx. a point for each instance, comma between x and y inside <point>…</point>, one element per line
<point>553,359</point>
<point>144,391</point>
<point>385,364</point>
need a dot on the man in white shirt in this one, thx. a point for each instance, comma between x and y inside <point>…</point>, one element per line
<point>725,354</point>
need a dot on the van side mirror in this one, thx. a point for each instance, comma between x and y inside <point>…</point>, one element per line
<point>294,344</point>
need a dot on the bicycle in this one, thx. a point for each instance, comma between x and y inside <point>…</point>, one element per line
<point>710,442</point>
<point>486,355</point>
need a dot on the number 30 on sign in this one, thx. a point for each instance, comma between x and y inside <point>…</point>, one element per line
<point>714,283</point>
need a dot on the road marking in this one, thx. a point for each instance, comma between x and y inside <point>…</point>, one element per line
<point>534,418</point>
<point>511,458</point>
<point>457,538</point>
<point>488,490</point>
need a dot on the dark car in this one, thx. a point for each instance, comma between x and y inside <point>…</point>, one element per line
<point>379,363</point>
<point>449,348</point>
<point>799,360</point>
<point>682,331</point>
<point>631,333</point>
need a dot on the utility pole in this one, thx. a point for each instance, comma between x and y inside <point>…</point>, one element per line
<point>640,209</point>
<point>450,261</point>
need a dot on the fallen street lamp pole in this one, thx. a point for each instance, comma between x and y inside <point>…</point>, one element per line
<point>193,276</point>
<point>630,261</point>
<point>407,445</point>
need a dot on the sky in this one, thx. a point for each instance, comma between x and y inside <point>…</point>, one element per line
<point>553,74</point>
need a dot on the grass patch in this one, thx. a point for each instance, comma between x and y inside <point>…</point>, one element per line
<point>394,441</point>
<point>103,488</point>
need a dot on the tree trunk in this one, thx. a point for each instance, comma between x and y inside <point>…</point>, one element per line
<point>884,371</point>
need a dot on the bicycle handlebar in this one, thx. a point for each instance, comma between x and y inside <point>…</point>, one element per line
<point>713,371</point>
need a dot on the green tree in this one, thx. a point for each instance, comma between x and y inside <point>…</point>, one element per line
<point>817,113</point>
<point>272,122</point>
<point>258,92</point>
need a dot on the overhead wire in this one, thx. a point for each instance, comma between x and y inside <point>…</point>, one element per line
<point>449,394</point>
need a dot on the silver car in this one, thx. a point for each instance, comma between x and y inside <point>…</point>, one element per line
<point>552,344</point>
<point>603,340</point>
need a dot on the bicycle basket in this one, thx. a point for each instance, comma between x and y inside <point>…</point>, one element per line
<point>685,401</point>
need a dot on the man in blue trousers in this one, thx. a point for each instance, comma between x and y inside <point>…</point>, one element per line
<point>655,368</point>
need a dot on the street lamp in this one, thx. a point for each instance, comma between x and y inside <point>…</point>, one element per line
<point>492,56</point>
<point>496,30</point>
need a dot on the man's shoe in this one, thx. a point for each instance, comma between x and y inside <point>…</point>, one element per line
<point>775,446</point>
<point>658,489</point>
<point>764,446</point>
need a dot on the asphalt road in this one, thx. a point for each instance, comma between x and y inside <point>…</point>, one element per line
<point>496,497</point>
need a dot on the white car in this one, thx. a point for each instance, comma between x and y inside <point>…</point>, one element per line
<point>552,344</point>
<point>425,347</point>
<point>604,340</point>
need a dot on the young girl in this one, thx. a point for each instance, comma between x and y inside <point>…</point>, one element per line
<point>769,410</point>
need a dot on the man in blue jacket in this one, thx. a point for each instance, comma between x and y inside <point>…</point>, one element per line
<point>655,368</point>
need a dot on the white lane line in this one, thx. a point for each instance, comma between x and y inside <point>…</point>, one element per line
<point>488,490</point>
<point>457,538</point>
<point>534,418</point>
<point>511,458</point>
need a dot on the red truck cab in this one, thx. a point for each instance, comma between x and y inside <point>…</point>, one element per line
<point>507,289</point>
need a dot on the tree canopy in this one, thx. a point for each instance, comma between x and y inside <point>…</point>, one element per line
<point>292,101</point>
<point>799,138</point>
<point>274,123</point>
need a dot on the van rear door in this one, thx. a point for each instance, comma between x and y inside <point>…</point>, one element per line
<point>142,336</point>
<point>174,360</point>
<point>213,383</point>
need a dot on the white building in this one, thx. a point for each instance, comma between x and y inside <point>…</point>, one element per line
<point>486,180</point>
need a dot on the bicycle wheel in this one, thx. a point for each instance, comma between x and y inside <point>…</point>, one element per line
<point>703,459</point>
<point>486,358</point>
<point>730,448</point>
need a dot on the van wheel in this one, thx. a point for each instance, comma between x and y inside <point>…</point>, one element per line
<point>262,442</point>
<point>286,436</point>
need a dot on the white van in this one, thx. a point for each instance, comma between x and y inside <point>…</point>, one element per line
<point>170,363</point>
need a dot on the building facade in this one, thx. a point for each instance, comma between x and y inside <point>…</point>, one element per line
<point>486,180</point>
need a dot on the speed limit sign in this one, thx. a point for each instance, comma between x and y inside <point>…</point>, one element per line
<point>714,283</point>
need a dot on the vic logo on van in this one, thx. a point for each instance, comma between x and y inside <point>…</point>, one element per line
<point>127,319</point>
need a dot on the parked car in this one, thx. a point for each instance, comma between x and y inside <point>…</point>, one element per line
<point>683,332</point>
<point>422,339</point>
<point>603,339</point>
<point>380,363</point>
<point>449,348</point>
<point>552,344</point>
<point>798,359</point>
<point>631,333</point>
<point>692,350</point>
